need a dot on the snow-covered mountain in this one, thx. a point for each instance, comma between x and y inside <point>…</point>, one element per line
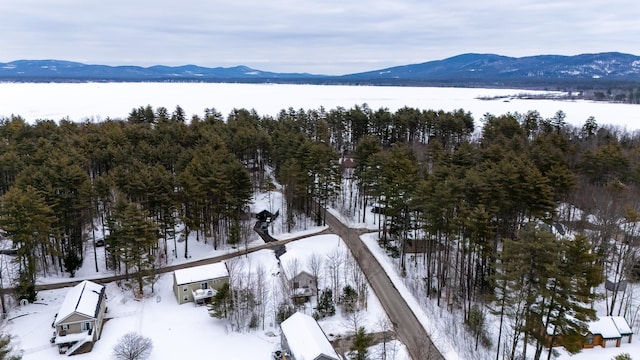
<point>57,70</point>
<point>458,70</point>
<point>614,66</point>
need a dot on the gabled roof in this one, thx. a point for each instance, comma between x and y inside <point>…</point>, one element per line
<point>83,299</point>
<point>201,273</point>
<point>301,274</point>
<point>306,339</point>
<point>622,325</point>
<point>610,327</point>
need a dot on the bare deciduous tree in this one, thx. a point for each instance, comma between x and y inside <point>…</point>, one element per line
<point>262,292</point>
<point>335,267</point>
<point>133,346</point>
<point>315,266</point>
<point>290,269</point>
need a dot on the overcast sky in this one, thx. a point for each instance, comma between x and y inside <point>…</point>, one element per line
<point>316,36</point>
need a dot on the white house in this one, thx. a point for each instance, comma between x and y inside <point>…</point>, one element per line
<point>303,338</point>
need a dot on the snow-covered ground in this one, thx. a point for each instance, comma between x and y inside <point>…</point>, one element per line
<point>187,330</point>
<point>96,101</point>
<point>159,316</point>
<point>179,330</point>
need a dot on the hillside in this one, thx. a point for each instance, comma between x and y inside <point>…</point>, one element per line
<point>602,69</point>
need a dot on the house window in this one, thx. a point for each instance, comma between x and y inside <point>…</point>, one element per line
<point>86,326</point>
<point>65,327</point>
<point>185,298</point>
<point>590,339</point>
<point>204,286</point>
<point>185,288</point>
<point>296,284</point>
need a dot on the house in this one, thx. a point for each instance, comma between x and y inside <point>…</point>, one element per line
<point>79,321</point>
<point>608,331</point>
<point>303,285</point>
<point>303,339</point>
<point>199,283</point>
<point>265,216</point>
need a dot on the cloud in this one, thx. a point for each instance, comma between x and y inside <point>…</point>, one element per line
<point>321,36</point>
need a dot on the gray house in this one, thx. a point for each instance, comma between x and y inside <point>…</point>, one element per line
<point>303,339</point>
<point>303,285</point>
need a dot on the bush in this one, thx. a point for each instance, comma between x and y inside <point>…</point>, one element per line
<point>325,304</point>
<point>284,311</point>
<point>349,299</point>
<point>133,346</point>
<point>72,263</point>
<point>25,288</point>
<point>6,350</point>
<point>623,356</point>
<point>254,322</point>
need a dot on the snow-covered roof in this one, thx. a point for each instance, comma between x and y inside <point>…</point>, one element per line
<point>201,273</point>
<point>610,327</point>
<point>305,338</point>
<point>83,299</point>
<point>622,325</point>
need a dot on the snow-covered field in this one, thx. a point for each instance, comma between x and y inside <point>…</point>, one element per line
<point>96,101</point>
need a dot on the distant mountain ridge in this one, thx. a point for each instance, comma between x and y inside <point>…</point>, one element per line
<point>469,69</point>
<point>484,66</point>
<point>59,70</point>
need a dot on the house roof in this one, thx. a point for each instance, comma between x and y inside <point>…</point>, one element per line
<point>622,325</point>
<point>83,299</point>
<point>610,327</point>
<point>201,273</point>
<point>305,338</point>
<point>302,274</point>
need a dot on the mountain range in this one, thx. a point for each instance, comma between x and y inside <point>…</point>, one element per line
<point>461,70</point>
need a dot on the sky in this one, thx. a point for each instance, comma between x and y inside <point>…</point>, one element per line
<point>331,37</point>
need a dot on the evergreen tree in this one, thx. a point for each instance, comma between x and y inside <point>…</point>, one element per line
<point>361,343</point>
<point>221,304</point>
<point>349,299</point>
<point>326,306</point>
<point>132,241</point>
<point>6,350</point>
<point>26,219</point>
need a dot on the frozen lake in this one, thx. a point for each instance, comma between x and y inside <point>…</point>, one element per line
<point>98,101</point>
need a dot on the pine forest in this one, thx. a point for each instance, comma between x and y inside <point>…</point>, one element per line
<point>517,217</point>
